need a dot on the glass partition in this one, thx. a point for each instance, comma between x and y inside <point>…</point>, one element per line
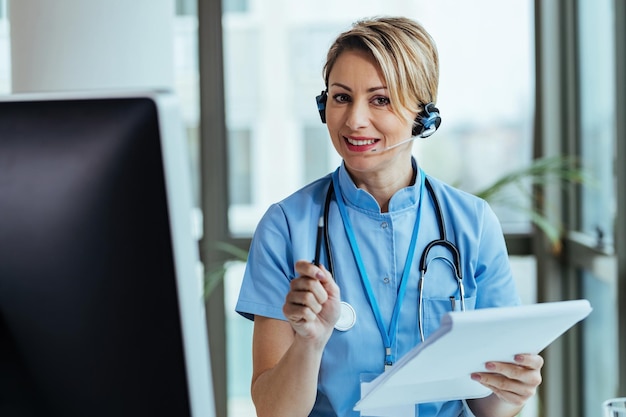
<point>274,52</point>
<point>596,61</point>
<point>599,343</point>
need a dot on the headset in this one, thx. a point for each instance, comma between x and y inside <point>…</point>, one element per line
<point>425,124</point>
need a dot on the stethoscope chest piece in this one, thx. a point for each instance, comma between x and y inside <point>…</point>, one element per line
<point>347,318</point>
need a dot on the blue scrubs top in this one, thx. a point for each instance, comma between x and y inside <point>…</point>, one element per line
<point>287,233</point>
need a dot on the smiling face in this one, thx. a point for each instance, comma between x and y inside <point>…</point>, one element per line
<point>360,118</point>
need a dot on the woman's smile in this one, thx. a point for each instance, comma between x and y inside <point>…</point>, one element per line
<point>360,143</point>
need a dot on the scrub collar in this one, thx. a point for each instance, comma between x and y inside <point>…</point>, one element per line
<point>405,198</point>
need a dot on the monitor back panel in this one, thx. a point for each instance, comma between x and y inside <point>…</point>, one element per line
<point>89,317</point>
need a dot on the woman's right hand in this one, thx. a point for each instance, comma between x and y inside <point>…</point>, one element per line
<point>312,305</point>
<point>287,355</point>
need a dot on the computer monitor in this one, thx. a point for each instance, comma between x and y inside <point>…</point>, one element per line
<point>101,304</point>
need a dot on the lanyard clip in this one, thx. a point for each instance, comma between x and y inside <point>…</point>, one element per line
<point>388,359</point>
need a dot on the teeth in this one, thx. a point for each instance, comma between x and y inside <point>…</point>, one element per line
<point>360,142</point>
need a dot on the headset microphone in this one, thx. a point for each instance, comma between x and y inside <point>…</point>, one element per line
<point>412,138</point>
<point>424,134</point>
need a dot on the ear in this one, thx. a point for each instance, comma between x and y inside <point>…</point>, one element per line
<point>427,121</point>
<point>321,104</point>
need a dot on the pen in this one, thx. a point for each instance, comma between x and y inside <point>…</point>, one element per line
<point>318,241</point>
<point>452,302</point>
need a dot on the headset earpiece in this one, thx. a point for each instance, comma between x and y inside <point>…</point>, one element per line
<point>427,121</point>
<point>321,104</point>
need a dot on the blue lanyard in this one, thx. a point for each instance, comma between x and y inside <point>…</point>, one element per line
<point>388,336</point>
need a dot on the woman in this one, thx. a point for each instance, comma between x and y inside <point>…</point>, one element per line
<point>317,334</point>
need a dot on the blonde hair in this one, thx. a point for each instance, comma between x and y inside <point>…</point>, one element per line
<point>406,54</point>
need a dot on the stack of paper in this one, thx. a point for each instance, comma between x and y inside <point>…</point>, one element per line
<point>439,369</point>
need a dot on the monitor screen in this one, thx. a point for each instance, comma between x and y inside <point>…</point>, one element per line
<point>101,310</point>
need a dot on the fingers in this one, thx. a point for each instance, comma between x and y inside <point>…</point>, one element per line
<point>529,361</point>
<point>331,287</point>
<point>320,273</point>
<point>304,300</point>
<point>312,279</point>
<point>307,302</point>
<point>308,269</point>
<point>309,292</point>
<point>513,382</point>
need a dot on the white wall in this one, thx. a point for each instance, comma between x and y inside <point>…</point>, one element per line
<point>65,45</point>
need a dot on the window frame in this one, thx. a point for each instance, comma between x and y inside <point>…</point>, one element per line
<point>620,229</point>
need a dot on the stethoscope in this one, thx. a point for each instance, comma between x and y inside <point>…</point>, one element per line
<point>348,314</point>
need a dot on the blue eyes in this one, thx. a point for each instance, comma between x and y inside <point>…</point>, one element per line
<point>380,101</point>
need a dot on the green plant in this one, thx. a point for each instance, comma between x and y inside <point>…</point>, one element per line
<point>540,173</point>
<point>215,273</point>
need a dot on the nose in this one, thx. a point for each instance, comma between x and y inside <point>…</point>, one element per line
<point>358,115</point>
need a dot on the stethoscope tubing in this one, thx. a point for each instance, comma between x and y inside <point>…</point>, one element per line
<point>329,197</point>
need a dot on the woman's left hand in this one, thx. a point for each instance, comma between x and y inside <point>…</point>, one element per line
<point>513,383</point>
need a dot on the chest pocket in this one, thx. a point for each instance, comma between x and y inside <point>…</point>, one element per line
<point>441,293</point>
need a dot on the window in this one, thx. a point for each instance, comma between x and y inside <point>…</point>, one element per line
<point>186,80</point>
<point>597,116</point>
<point>318,153</point>
<point>580,75</point>
<point>186,8</point>
<point>240,167</point>
<point>273,58</point>
<point>5,50</point>
<point>599,344</point>
<point>235,6</point>
<point>596,49</point>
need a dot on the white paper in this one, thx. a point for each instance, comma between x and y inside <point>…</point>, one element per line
<point>439,369</point>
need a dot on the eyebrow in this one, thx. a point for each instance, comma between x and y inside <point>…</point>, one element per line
<point>369,90</point>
